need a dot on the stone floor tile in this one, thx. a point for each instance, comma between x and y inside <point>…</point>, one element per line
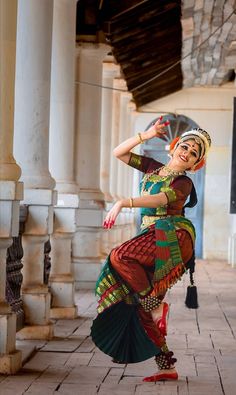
<point>79,358</point>
<point>11,391</point>
<point>87,346</point>
<point>44,359</point>
<point>63,345</point>
<point>42,389</point>
<point>131,379</point>
<point>78,389</point>
<point>13,387</point>
<point>156,389</point>
<point>114,376</point>
<point>177,341</point>
<point>65,330</point>
<point>85,374</point>
<point>84,328</point>
<point>201,341</point>
<point>121,389</point>
<point>223,340</point>
<point>101,359</point>
<point>141,369</point>
<point>206,385</point>
<point>53,374</point>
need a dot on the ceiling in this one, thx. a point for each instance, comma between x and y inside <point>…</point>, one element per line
<point>154,42</point>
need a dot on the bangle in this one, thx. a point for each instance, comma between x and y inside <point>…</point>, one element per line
<point>131,202</point>
<point>141,141</point>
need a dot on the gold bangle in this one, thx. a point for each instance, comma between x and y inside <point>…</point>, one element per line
<point>141,141</point>
<point>131,202</point>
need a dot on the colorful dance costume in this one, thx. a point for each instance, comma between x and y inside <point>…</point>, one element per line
<point>137,274</point>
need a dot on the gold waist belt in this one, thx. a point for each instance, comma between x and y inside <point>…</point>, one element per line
<point>148,220</point>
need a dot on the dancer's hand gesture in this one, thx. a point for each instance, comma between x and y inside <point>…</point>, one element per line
<point>112,215</point>
<point>157,129</point>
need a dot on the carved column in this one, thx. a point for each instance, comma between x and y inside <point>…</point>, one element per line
<point>11,191</point>
<point>32,101</point>
<point>14,276</point>
<point>61,158</point>
<point>87,241</point>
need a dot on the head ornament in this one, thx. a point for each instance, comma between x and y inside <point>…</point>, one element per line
<point>201,137</point>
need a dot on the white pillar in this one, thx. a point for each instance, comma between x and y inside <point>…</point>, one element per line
<point>87,241</point>
<point>122,173</point>
<point>110,71</point>
<point>11,191</point>
<point>61,158</point>
<point>32,104</point>
<point>118,83</point>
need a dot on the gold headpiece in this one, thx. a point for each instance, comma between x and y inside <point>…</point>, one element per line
<point>200,136</point>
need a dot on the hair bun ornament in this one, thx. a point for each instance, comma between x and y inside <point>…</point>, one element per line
<point>200,165</point>
<point>174,142</point>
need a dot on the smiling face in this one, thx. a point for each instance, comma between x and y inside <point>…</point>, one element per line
<point>186,155</point>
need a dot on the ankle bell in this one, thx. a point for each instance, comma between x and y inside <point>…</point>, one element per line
<point>150,302</point>
<point>165,360</point>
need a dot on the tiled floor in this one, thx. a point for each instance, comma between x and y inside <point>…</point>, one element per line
<point>203,341</point>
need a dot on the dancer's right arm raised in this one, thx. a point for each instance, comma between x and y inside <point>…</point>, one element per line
<point>122,151</point>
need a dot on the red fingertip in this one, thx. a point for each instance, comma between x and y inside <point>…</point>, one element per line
<point>161,117</point>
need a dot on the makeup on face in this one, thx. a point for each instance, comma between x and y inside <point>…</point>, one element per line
<point>192,148</point>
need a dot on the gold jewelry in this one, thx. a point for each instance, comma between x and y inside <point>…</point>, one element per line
<point>141,141</point>
<point>131,202</point>
<point>171,172</point>
<point>147,177</point>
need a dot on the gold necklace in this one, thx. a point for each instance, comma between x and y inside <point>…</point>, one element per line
<point>146,178</point>
<point>171,172</point>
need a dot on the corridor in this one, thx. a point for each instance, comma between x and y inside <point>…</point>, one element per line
<point>203,340</point>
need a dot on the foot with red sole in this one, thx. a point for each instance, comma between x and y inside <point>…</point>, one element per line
<point>162,375</point>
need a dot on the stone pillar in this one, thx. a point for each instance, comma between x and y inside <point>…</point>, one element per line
<point>110,71</point>
<point>11,191</point>
<point>61,158</point>
<point>118,83</point>
<point>123,169</point>
<point>32,104</point>
<point>87,241</point>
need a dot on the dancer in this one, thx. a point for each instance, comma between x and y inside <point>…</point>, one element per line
<point>131,325</point>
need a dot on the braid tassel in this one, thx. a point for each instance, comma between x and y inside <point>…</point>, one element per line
<point>191,300</point>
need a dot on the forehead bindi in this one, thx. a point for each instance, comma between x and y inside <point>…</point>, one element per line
<point>192,144</point>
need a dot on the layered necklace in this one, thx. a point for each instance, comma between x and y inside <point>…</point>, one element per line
<point>169,173</point>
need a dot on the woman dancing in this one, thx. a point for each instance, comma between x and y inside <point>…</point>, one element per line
<point>131,325</point>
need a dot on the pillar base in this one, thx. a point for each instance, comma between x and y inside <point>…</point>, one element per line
<point>64,313</point>
<point>36,302</point>
<point>36,332</point>
<point>10,363</point>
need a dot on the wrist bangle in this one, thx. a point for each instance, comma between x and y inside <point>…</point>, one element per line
<point>141,141</point>
<point>131,202</point>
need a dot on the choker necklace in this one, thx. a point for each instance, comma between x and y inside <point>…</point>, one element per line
<point>171,172</point>
<point>146,178</point>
